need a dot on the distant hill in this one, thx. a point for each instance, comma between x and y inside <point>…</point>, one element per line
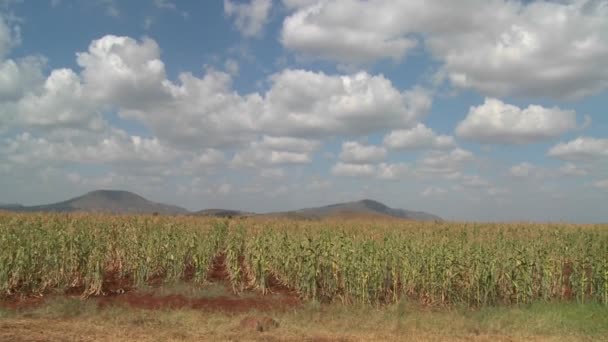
<point>10,206</point>
<point>222,213</point>
<point>108,201</point>
<point>364,208</point>
<point>124,202</point>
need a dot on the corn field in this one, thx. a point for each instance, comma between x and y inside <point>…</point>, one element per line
<point>347,261</point>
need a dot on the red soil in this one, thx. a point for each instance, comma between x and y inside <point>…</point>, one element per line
<point>220,304</point>
<point>117,290</point>
<point>218,271</point>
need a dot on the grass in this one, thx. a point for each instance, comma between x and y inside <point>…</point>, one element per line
<point>69,318</point>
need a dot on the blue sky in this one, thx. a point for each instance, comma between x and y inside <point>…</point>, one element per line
<point>480,110</point>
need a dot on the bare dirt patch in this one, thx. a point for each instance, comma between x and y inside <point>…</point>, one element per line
<point>218,304</point>
<point>260,324</point>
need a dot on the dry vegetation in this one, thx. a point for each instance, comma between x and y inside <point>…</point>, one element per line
<point>330,261</point>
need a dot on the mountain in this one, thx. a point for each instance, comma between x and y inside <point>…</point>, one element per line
<point>10,206</point>
<point>108,201</point>
<point>364,208</point>
<point>124,202</point>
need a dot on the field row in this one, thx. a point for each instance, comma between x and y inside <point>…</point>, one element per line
<point>367,262</point>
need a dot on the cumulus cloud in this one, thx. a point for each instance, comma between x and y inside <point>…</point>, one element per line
<point>601,184</point>
<point>329,30</point>
<point>249,18</point>
<point>418,137</point>
<point>61,103</point>
<point>118,147</point>
<point>497,122</point>
<point>275,151</point>
<point>433,191</point>
<point>298,103</point>
<point>18,77</point>
<point>353,170</point>
<point>203,161</point>
<point>194,119</point>
<point>582,148</point>
<point>496,47</point>
<point>444,161</point>
<point>524,170</point>
<point>289,144</point>
<point>272,173</point>
<point>124,71</point>
<point>570,169</point>
<point>302,102</point>
<point>356,153</point>
<point>473,181</point>
<point>393,171</point>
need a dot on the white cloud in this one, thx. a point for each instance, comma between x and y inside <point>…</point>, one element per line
<point>418,137</point>
<point>498,191</point>
<point>445,162</point>
<point>601,184</point>
<point>496,47</point>
<point>298,104</point>
<point>570,169</point>
<point>506,50</point>
<point>294,4</point>
<point>62,102</point>
<point>224,189</point>
<point>523,170</point>
<point>330,30</point>
<point>20,76</point>
<point>473,181</point>
<point>114,180</point>
<point>582,148</point>
<point>254,158</point>
<point>123,71</point>
<point>306,103</point>
<point>118,147</point>
<point>289,144</point>
<point>353,170</point>
<point>393,171</point>
<point>318,184</point>
<point>275,151</point>
<point>272,173</point>
<point>498,122</point>
<point>356,153</point>
<point>202,161</point>
<point>433,191</point>
<point>249,18</point>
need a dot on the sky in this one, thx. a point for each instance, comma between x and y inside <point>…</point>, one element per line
<point>476,110</point>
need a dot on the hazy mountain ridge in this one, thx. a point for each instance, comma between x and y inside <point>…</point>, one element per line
<point>365,206</point>
<point>124,202</point>
<point>109,201</point>
<point>10,206</point>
